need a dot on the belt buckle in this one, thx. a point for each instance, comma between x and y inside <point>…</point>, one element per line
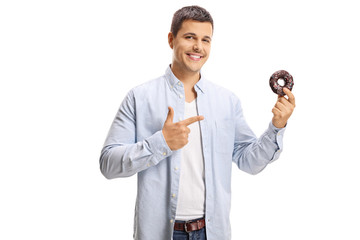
<point>185,226</point>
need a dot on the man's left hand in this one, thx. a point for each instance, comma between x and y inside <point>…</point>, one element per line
<point>283,109</point>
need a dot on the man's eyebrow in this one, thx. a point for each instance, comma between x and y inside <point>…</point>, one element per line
<point>193,34</point>
<point>190,33</point>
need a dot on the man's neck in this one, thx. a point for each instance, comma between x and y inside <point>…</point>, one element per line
<point>189,79</point>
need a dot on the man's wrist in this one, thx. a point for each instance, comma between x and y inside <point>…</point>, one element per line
<point>278,125</point>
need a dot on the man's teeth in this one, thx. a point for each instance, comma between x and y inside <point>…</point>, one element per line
<point>194,56</point>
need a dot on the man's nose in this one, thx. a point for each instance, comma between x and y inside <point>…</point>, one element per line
<point>197,46</point>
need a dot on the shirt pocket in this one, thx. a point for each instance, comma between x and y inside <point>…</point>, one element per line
<point>225,135</point>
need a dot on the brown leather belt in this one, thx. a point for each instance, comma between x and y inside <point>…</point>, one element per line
<point>190,226</point>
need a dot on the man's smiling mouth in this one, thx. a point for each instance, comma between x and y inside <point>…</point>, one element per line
<point>194,57</point>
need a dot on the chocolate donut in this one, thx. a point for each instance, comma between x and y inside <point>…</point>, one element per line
<point>276,87</point>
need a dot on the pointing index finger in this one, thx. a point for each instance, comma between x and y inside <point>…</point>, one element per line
<point>191,120</point>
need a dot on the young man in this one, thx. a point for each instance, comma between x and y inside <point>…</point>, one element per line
<point>180,133</point>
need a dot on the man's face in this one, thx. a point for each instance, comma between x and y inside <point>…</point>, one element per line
<point>191,46</point>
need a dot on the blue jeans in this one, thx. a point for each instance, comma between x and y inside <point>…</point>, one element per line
<point>194,235</point>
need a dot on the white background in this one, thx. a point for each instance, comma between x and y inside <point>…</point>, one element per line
<point>65,67</point>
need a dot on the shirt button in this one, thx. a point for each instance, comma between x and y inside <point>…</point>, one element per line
<point>171,221</point>
<point>180,119</point>
<point>179,83</point>
<point>173,195</point>
<point>180,96</point>
<point>164,153</point>
<point>176,168</point>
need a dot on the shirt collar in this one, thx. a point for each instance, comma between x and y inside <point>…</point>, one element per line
<point>173,80</point>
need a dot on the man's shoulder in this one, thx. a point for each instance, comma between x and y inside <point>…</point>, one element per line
<point>149,85</point>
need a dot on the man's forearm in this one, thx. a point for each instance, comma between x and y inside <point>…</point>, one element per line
<point>124,160</point>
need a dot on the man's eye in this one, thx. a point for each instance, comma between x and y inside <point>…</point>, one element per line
<point>206,40</point>
<point>189,37</point>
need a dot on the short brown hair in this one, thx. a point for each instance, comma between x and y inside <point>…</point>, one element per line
<point>195,13</point>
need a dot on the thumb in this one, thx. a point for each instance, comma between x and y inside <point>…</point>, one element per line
<point>170,116</point>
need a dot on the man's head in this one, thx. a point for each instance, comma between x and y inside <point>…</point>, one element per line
<point>194,13</point>
<point>190,39</point>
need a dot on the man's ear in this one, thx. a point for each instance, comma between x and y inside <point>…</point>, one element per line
<point>171,40</point>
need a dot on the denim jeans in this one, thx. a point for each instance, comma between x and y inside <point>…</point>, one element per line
<point>194,235</point>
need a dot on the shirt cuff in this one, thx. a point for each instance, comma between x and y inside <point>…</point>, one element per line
<point>158,147</point>
<point>276,135</point>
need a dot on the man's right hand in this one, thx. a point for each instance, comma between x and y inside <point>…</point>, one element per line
<point>176,134</point>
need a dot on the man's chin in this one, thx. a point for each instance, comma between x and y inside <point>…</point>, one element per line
<point>196,68</point>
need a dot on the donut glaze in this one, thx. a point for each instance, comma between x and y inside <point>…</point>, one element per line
<point>276,87</point>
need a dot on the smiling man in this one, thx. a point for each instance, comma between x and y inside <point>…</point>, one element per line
<point>180,134</point>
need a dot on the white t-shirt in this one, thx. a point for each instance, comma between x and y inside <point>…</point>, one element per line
<point>191,196</point>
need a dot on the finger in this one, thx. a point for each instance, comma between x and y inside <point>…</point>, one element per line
<point>285,102</point>
<point>170,116</point>
<point>191,120</point>
<point>281,106</point>
<point>185,129</point>
<point>290,95</point>
<point>276,111</point>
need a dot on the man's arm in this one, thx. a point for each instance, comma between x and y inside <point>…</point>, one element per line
<point>122,155</point>
<point>252,154</point>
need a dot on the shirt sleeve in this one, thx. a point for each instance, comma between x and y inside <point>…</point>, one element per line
<point>124,156</point>
<point>252,154</point>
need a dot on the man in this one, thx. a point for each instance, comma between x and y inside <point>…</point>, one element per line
<point>180,133</point>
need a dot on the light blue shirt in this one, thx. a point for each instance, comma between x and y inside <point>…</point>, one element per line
<point>135,144</point>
